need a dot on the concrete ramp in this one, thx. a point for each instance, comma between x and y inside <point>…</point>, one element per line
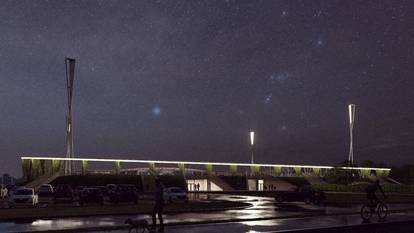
<point>390,180</point>
<point>313,179</point>
<point>221,183</point>
<point>383,179</point>
<point>281,185</point>
<point>45,179</point>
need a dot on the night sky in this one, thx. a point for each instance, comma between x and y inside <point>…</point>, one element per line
<point>187,80</point>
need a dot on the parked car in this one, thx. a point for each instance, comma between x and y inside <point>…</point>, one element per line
<point>77,191</point>
<point>124,193</point>
<point>45,190</point>
<point>91,195</point>
<point>102,188</point>
<point>110,188</point>
<point>23,197</point>
<point>63,192</point>
<point>175,194</point>
<point>300,194</point>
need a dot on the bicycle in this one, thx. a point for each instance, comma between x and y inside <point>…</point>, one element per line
<point>381,209</point>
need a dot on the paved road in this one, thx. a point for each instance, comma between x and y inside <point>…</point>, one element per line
<point>276,225</point>
<point>262,207</point>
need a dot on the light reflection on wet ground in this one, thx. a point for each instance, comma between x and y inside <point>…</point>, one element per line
<point>267,226</point>
<point>262,207</point>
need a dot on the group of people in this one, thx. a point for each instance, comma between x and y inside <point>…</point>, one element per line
<point>269,187</point>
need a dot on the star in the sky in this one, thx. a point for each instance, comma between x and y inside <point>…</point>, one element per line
<point>268,99</point>
<point>156,111</point>
<point>279,77</point>
<point>319,42</point>
<point>318,13</point>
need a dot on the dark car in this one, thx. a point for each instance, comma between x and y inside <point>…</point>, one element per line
<point>301,195</point>
<point>45,190</point>
<point>110,188</point>
<point>91,195</point>
<point>102,188</point>
<point>78,190</point>
<point>63,192</point>
<point>124,193</point>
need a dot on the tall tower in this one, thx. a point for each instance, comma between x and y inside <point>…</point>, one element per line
<point>351,111</point>
<point>70,75</point>
<point>251,146</point>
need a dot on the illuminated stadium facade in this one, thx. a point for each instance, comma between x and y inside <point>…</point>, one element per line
<point>202,175</point>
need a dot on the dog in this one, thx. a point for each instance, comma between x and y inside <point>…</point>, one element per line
<point>136,224</point>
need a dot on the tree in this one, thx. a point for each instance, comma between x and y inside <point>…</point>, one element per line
<point>277,170</point>
<point>181,168</point>
<point>117,167</point>
<point>233,169</point>
<point>151,169</point>
<point>208,168</point>
<point>84,166</point>
<point>337,175</point>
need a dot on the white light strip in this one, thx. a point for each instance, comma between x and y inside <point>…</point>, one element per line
<point>200,163</point>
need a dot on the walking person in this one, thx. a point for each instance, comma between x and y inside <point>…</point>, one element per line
<point>159,205</point>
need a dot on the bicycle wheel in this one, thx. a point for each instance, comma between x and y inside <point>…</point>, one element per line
<point>382,211</point>
<point>366,212</point>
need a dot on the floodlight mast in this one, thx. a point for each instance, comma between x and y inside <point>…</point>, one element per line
<point>251,147</point>
<point>70,75</point>
<point>351,111</point>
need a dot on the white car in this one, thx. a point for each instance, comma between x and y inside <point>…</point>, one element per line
<point>23,197</point>
<point>175,194</point>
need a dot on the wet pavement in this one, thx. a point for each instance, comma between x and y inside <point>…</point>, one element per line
<point>261,207</point>
<point>275,225</point>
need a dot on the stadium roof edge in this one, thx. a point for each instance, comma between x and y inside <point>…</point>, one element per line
<point>198,163</point>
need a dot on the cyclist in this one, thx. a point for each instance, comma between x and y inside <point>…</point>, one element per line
<point>371,189</point>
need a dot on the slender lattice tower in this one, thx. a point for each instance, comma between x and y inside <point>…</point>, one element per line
<point>351,110</point>
<point>70,75</point>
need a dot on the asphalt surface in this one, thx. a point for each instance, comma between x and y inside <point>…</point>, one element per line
<point>276,225</point>
<point>243,220</point>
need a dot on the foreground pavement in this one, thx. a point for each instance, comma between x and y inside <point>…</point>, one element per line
<point>263,215</point>
<point>260,207</point>
<point>282,225</point>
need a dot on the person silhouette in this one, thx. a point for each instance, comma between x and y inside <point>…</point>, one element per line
<point>159,205</point>
<point>370,192</point>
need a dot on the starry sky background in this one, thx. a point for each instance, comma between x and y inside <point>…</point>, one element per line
<point>187,80</point>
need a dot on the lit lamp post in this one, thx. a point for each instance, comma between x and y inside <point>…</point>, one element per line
<point>251,146</point>
<point>351,110</point>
